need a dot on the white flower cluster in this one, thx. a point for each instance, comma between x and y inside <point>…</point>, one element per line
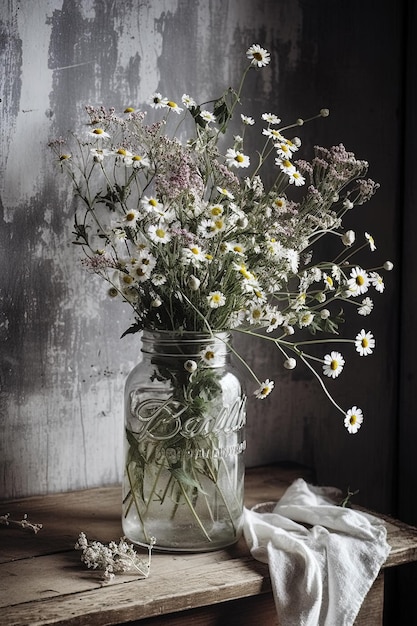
<point>113,558</point>
<point>190,245</point>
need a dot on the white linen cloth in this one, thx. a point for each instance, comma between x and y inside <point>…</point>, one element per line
<point>321,573</point>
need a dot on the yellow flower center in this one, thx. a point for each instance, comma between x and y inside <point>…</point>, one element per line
<point>140,272</point>
<point>256,314</point>
<point>239,158</point>
<point>216,210</point>
<point>127,279</point>
<point>352,420</point>
<point>63,157</point>
<point>171,104</point>
<point>265,391</point>
<point>286,163</point>
<point>360,280</point>
<point>129,110</point>
<point>365,342</point>
<point>334,365</point>
<point>209,355</point>
<point>237,248</point>
<point>98,131</point>
<point>329,280</point>
<point>122,151</point>
<point>160,233</point>
<point>137,158</point>
<point>257,56</point>
<point>195,250</point>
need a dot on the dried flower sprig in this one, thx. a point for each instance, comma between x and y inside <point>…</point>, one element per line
<point>114,558</point>
<point>24,523</point>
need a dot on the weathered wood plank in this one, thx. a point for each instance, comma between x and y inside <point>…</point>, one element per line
<point>43,581</point>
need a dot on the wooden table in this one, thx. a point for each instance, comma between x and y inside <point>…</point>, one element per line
<point>42,580</point>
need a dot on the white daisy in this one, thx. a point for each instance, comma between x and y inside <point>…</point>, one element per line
<point>190,366</point>
<point>353,419</point>
<point>359,281</point>
<point>248,121</point>
<point>285,165</point>
<point>209,355</point>
<point>216,299</point>
<point>258,56</point>
<point>139,160</point>
<point>333,364</point>
<point>234,158</point>
<point>264,389</point>
<point>98,133</point>
<point>156,101</point>
<point>225,192</point>
<point>255,314</point>
<point>271,118</point>
<point>188,101</point>
<point>371,241</point>
<point>367,306</point>
<point>158,279</point>
<point>99,154</point>
<point>305,318</point>
<point>328,282</point>
<point>151,204</point>
<point>377,281</point>
<point>194,254</point>
<point>132,217</point>
<point>159,233</point>
<point>214,210</point>
<point>279,203</point>
<point>272,133</point>
<point>364,343</point>
<point>295,178</point>
<point>173,106</point>
<point>207,116</point>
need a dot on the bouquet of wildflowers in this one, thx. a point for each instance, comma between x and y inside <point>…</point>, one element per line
<point>192,245</point>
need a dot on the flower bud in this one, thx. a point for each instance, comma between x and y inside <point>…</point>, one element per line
<point>348,238</point>
<point>190,366</point>
<point>388,266</point>
<point>156,302</point>
<point>193,283</point>
<point>290,363</point>
<point>324,314</point>
<point>289,330</point>
<point>324,112</point>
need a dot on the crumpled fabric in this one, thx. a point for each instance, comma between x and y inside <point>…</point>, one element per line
<point>322,558</point>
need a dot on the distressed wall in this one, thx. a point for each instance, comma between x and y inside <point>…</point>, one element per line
<point>62,364</point>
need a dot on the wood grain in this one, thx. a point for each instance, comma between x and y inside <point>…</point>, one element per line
<point>43,581</point>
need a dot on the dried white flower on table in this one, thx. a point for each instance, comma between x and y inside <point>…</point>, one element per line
<point>113,558</point>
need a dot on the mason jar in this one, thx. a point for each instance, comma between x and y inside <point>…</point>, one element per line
<point>185,414</point>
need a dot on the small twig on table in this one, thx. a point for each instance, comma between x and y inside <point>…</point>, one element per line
<point>24,523</point>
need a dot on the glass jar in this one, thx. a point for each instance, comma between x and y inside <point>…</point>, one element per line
<point>185,412</point>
